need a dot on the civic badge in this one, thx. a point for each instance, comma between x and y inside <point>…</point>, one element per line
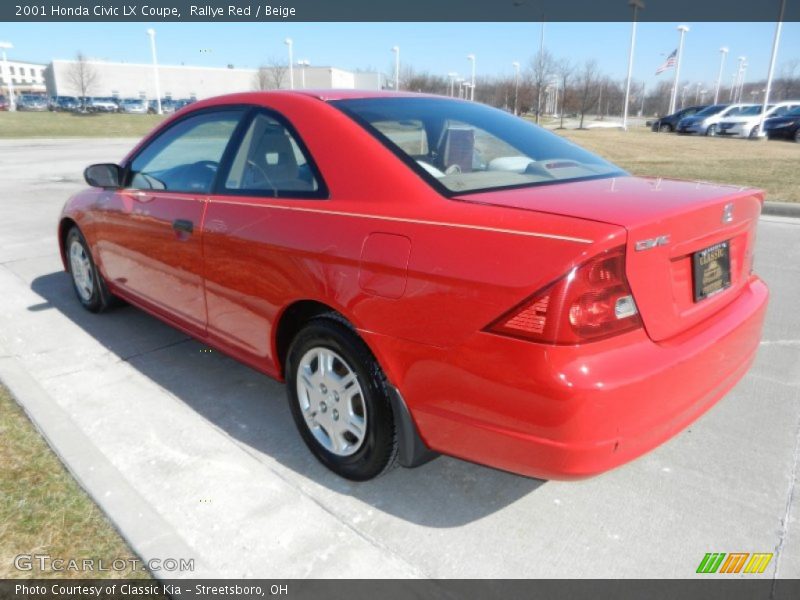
<point>661,240</point>
<point>727,213</point>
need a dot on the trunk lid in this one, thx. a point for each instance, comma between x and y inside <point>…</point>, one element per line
<point>694,216</point>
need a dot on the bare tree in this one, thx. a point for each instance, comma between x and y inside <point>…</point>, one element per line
<point>83,77</point>
<point>271,75</point>
<point>541,70</point>
<point>565,70</point>
<point>588,87</point>
<point>789,79</point>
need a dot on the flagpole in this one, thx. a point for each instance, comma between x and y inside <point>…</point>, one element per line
<point>775,41</point>
<point>683,29</point>
<point>636,4</point>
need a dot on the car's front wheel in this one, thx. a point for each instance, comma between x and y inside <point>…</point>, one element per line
<point>86,279</point>
<point>711,131</point>
<point>339,400</point>
<point>665,128</point>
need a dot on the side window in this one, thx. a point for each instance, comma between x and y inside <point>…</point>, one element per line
<point>270,161</point>
<point>185,158</point>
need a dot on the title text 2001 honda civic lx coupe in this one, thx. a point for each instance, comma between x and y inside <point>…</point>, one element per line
<point>429,276</point>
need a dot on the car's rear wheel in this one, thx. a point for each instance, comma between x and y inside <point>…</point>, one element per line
<point>339,400</point>
<point>86,279</point>
<point>665,128</point>
<point>711,131</point>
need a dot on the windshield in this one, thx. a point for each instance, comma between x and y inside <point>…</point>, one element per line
<point>795,112</point>
<point>750,110</point>
<point>711,110</point>
<point>462,147</point>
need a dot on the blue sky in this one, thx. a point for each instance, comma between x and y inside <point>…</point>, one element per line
<point>436,47</point>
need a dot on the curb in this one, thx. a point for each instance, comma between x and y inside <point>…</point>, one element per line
<point>142,528</point>
<point>782,209</point>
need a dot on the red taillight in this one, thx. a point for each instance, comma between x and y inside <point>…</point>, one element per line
<point>590,302</point>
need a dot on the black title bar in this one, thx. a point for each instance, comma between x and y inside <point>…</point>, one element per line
<point>395,10</point>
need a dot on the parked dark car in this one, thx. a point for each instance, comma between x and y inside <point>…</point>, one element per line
<point>31,102</point>
<point>66,104</point>
<point>786,126</point>
<point>3,103</point>
<point>670,122</point>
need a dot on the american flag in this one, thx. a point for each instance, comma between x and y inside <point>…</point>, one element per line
<point>669,63</point>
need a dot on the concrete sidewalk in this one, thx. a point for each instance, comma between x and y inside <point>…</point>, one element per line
<point>193,455</point>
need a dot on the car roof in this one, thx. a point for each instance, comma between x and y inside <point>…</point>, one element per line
<point>324,95</point>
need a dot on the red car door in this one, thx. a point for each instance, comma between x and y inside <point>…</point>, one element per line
<point>252,258</point>
<point>150,243</point>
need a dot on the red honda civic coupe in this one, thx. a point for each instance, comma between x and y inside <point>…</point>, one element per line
<point>429,275</point>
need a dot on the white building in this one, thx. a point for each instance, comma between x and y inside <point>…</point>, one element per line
<point>126,80</point>
<point>25,77</point>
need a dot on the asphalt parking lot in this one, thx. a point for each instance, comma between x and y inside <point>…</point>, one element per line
<point>193,455</point>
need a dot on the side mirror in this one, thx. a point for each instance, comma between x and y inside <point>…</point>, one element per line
<point>105,175</point>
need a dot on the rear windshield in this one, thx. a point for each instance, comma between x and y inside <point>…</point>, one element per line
<point>461,147</point>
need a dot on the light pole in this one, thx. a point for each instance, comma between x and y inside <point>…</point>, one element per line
<point>152,33</point>
<point>641,108</point>
<point>734,80</point>
<point>683,29</point>
<point>555,97</point>
<point>471,58</point>
<point>735,94</point>
<point>683,94</point>
<point>697,92</point>
<point>12,103</point>
<point>290,44</point>
<point>515,64</point>
<point>741,82</point>
<point>636,4</point>
<point>775,41</point>
<point>396,50</point>
<point>724,52</point>
<point>303,64</point>
<point>451,76</point>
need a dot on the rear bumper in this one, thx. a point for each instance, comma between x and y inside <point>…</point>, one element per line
<point>571,412</point>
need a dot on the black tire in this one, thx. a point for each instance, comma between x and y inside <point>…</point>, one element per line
<point>665,128</point>
<point>100,298</point>
<point>711,131</point>
<point>378,449</point>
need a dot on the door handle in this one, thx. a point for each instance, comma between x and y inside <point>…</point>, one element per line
<point>183,225</point>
